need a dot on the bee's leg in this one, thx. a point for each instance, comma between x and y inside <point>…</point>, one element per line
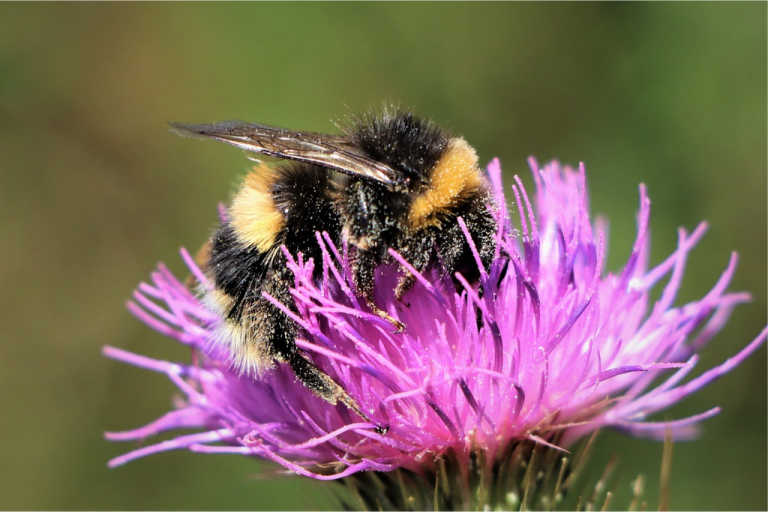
<point>364,270</point>
<point>322,385</point>
<point>284,349</point>
<point>282,331</point>
<point>416,250</point>
<point>404,284</point>
<point>483,227</point>
<point>397,324</point>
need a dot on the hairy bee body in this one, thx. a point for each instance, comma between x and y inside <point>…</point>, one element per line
<point>282,206</point>
<point>391,181</point>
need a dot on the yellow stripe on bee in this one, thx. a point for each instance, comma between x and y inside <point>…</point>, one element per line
<point>254,215</point>
<point>455,178</point>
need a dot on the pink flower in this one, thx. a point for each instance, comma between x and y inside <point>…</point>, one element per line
<point>555,348</point>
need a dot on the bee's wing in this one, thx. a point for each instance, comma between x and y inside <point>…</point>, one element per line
<point>330,151</point>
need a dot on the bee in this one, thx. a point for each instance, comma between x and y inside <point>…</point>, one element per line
<point>390,180</point>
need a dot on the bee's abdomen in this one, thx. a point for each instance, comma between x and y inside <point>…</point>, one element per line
<point>236,269</point>
<point>279,206</point>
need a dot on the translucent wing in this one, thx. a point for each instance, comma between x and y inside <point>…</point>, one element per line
<point>331,151</point>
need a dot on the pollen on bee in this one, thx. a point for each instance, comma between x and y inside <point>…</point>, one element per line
<point>255,218</point>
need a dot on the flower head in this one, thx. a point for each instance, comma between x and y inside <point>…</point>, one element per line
<point>549,348</point>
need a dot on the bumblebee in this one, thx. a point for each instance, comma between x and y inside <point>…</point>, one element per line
<point>391,180</point>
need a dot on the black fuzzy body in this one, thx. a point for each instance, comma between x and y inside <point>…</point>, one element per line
<point>243,273</point>
<point>353,206</point>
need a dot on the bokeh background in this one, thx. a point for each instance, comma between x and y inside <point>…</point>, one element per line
<point>94,191</point>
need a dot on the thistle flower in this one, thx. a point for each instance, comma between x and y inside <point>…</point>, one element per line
<point>552,349</point>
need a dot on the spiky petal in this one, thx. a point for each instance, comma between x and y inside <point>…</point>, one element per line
<point>554,348</point>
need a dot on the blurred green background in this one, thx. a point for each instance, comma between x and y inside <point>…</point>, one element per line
<point>94,191</point>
